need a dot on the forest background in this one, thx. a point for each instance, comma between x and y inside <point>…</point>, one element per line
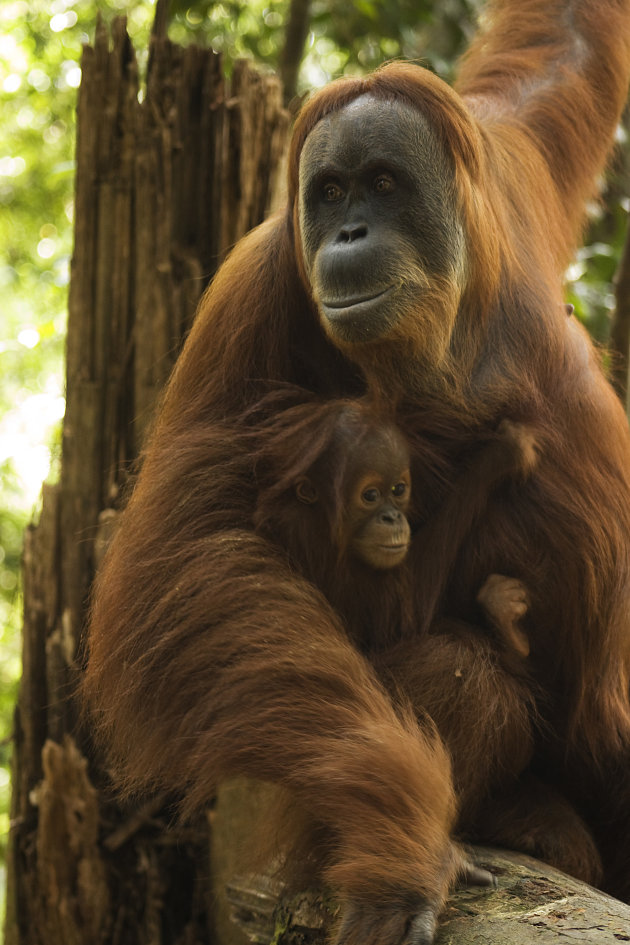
<point>308,42</point>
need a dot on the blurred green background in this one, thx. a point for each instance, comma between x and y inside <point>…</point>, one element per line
<point>40,55</point>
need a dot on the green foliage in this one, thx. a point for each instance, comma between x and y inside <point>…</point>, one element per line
<point>590,279</point>
<point>40,51</point>
<point>346,36</point>
<point>369,32</point>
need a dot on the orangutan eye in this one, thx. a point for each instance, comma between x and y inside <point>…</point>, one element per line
<point>371,495</point>
<point>383,183</point>
<point>399,489</point>
<point>332,192</point>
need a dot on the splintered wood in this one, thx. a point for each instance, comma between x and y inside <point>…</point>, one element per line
<point>169,176</point>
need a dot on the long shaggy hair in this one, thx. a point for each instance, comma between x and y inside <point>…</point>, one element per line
<point>209,656</point>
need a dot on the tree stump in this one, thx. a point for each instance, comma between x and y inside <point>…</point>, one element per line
<point>167,179</point>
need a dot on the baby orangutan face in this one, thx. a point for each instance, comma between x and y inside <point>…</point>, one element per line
<point>377,491</point>
<point>377,526</point>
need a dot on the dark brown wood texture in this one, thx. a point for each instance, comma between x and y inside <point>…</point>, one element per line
<point>166,181</point>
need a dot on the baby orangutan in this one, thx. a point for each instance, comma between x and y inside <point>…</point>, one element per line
<point>375,491</point>
<point>340,507</point>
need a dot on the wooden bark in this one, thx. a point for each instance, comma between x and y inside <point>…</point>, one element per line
<point>298,24</point>
<point>532,903</point>
<point>166,182</point>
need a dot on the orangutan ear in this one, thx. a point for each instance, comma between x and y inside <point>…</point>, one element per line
<point>306,491</point>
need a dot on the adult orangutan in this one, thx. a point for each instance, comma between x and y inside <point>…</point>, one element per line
<point>420,259</point>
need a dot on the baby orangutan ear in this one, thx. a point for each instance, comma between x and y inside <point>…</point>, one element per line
<point>306,491</point>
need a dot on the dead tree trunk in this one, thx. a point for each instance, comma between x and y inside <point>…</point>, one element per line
<point>165,184</point>
<point>291,56</point>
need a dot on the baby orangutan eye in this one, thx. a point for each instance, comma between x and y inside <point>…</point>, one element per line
<point>371,495</point>
<point>399,489</point>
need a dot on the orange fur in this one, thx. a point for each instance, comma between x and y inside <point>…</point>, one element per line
<point>209,657</point>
